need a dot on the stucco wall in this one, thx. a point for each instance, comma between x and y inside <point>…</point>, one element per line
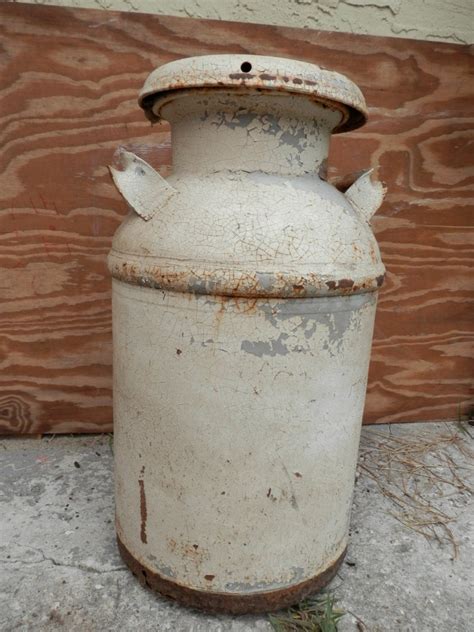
<point>439,20</point>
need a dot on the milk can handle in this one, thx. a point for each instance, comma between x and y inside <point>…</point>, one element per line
<point>141,186</point>
<point>366,194</point>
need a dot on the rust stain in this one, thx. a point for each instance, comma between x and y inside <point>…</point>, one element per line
<point>345,283</point>
<point>254,602</point>
<point>243,288</point>
<point>143,509</point>
<point>320,87</point>
<point>219,315</point>
<point>348,286</point>
<point>192,551</point>
<point>244,305</point>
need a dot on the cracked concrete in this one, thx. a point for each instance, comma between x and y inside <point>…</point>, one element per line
<point>60,570</point>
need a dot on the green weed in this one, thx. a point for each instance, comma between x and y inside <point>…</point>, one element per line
<point>315,614</point>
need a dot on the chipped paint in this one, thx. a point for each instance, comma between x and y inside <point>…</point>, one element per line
<point>233,283</point>
<point>266,348</point>
<point>163,569</point>
<point>269,73</point>
<point>244,296</point>
<point>230,602</point>
<point>295,576</point>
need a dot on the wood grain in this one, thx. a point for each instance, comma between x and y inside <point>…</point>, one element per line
<point>70,81</point>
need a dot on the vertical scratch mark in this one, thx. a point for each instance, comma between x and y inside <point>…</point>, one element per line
<point>293,501</point>
<point>143,510</point>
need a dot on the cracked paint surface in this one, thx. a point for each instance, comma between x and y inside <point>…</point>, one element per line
<point>243,310</point>
<point>232,417</point>
<point>249,216</point>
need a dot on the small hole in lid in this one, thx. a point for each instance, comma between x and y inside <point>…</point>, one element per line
<point>246,66</point>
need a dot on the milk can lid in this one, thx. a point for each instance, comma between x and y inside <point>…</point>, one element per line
<point>256,72</point>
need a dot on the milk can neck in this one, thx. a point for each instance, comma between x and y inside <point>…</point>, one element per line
<point>215,132</point>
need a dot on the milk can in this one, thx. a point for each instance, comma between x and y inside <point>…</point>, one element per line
<point>244,296</point>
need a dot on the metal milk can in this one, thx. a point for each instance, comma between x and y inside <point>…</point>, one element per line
<point>244,296</point>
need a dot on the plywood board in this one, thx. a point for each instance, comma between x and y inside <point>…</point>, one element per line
<point>70,79</point>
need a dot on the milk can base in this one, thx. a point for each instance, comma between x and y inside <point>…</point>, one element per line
<point>218,602</point>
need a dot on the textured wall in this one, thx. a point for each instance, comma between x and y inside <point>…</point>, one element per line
<point>439,20</point>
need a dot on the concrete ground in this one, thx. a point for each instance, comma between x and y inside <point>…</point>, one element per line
<point>60,570</point>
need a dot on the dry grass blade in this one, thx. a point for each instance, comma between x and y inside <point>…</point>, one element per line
<point>316,614</point>
<point>416,474</point>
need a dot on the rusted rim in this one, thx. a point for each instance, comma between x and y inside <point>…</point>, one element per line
<point>239,283</point>
<point>230,603</point>
<point>255,72</point>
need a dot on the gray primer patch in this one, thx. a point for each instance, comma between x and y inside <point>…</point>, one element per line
<point>269,348</point>
<point>336,314</point>
<point>201,286</point>
<point>314,309</point>
<point>244,587</point>
<point>295,139</point>
<point>270,124</point>
<point>240,119</point>
<point>266,280</point>
<point>162,568</point>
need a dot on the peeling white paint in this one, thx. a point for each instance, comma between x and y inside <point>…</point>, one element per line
<point>215,424</point>
<point>243,311</point>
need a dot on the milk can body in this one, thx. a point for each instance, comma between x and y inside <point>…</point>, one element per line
<point>244,297</point>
